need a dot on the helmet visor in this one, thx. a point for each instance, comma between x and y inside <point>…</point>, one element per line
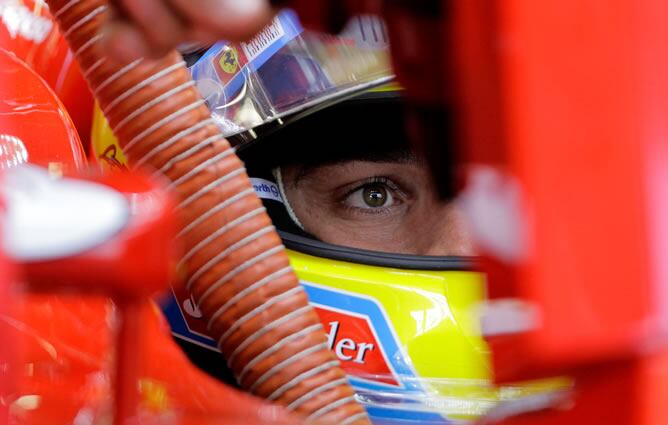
<point>285,69</point>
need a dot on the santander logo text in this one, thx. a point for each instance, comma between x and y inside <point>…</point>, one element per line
<point>352,339</point>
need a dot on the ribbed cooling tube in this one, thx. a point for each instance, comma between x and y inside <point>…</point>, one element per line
<point>238,271</point>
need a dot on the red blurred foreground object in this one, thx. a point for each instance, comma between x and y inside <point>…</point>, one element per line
<point>28,30</point>
<point>81,342</point>
<point>64,369</point>
<point>8,348</point>
<point>564,101</point>
<point>130,266</point>
<point>586,142</point>
<point>34,125</point>
<point>583,93</point>
<point>67,344</point>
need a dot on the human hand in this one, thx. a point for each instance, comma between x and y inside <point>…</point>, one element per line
<point>151,28</point>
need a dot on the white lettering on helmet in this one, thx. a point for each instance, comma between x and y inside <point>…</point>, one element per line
<point>266,189</point>
<point>346,349</point>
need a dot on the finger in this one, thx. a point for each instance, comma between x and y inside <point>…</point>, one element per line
<point>232,20</point>
<point>202,36</point>
<point>161,26</point>
<point>123,42</point>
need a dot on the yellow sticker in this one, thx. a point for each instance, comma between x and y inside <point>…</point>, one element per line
<point>229,60</point>
<point>105,146</point>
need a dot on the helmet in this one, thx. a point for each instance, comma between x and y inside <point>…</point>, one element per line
<point>403,326</point>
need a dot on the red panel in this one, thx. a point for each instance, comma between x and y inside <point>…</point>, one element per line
<point>137,262</point>
<point>8,334</point>
<point>28,30</point>
<point>631,392</point>
<point>31,112</point>
<point>583,92</point>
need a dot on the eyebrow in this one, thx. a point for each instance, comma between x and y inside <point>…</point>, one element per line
<point>401,155</point>
<point>397,156</point>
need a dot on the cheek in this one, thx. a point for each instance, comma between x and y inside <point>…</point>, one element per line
<point>439,230</point>
<point>461,235</point>
<point>321,219</point>
<point>362,237</point>
<point>306,205</point>
<point>313,211</point>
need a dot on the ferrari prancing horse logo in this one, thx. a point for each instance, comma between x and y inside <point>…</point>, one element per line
<point>229,60</point>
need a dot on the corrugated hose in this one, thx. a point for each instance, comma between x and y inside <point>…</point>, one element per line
<point>237,268</point>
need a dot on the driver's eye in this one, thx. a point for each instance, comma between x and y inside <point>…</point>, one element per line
<point>373,195</point>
